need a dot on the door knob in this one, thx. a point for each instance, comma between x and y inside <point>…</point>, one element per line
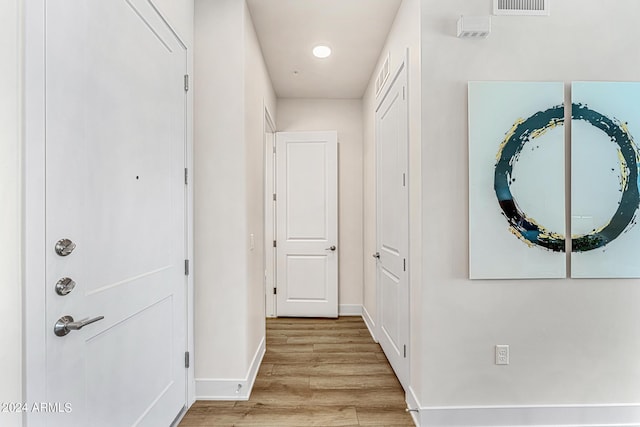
<point>65,285</point>
<point>65,324</point>
<point>64,247</point>
<point>376,255</point>
<point>331,248</point>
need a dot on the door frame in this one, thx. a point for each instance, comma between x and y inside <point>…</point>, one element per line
<point>33,227</point>
<point>270,207</point>
<point>402,68</point>
<point>303,136</point>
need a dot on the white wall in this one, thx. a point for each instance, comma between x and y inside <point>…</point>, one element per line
<point>231,88</point>
<point>220,189</point>
<point>259,95</point>
<point>404,36</point>
<point>345,116</point>
<point>572,341</point>
<point>10,208</point>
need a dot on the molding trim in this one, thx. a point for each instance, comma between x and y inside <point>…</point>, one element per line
<point>371,325</point>
<point>413,405</point>
<point>231,389</point>
<point>255,365</point>
<point>349,310</point>
<point>609,415</point>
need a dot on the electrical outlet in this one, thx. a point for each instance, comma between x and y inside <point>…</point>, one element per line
<point>502,354</point>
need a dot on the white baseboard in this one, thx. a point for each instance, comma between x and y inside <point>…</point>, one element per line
<point>371,325</point>
<point>350,310</point>
<point>623,415</point>
<point>413,405</point>
<point>231,389</point>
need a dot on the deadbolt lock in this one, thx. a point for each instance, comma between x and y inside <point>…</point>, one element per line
<point>64,247</point>
<point>65,286</point>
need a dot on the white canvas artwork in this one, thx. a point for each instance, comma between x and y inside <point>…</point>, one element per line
<point>604,180</point>
<point>516,180</point>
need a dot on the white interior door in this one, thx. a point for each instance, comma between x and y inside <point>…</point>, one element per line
<point>307,224</point>
<point>393,225</point>
<point>115,157</point>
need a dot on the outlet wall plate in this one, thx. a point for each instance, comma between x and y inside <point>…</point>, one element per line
<point>502,354</point>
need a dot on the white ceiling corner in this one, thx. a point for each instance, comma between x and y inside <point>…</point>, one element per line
<point>289,29</point>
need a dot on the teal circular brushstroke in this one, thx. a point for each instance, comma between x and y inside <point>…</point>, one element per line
<point>534,233</point>
<point>624,216</point>
<point>510,151</point>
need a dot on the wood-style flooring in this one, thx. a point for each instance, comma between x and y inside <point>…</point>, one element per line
<point>315,372</point>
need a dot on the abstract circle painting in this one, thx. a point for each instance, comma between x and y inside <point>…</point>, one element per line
<point>526,228</point>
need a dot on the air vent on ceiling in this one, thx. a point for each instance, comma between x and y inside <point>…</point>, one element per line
<point>382,75</point>
<point>522,7</point>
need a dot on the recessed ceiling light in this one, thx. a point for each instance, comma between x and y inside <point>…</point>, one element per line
<point>321,51</point>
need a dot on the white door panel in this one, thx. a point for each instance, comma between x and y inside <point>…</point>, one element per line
<point>115,157</point>
<point>307,207</point>
<point>307,222</point>
<point>392,225</point>
<point>390,284</point>
<point>301,284</point>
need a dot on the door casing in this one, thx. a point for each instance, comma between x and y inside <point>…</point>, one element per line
<point>269,214</point>
<point>311,249</point>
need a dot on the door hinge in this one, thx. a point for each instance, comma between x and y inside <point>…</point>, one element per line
<point>404,97</point>
<point>275,245</point>
<point>274,197</point>
<point>275,291</point>
<point>186,176</point>
<point>404,179</point>
<point>405,350</point>
<point>404,264</point>
<point>186,82</point>
<point>186,359</point>
<point>186,267</point>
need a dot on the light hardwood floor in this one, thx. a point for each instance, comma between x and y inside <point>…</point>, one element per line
<point>315,372</point>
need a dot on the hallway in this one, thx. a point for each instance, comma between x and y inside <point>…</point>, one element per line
<point>316,372</point>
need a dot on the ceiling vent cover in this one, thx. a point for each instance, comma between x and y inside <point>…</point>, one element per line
<point>522,7</point>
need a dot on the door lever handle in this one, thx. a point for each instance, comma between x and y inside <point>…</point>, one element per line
<point>65,324</point>
<point>330,248</point>
<point>376,255</point>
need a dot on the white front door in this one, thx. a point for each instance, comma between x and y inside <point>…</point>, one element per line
<point>393,225</point>
<point>307,224</point>
<point>115,158</point>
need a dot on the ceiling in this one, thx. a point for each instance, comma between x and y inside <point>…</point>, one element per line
<point>289,29</point>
